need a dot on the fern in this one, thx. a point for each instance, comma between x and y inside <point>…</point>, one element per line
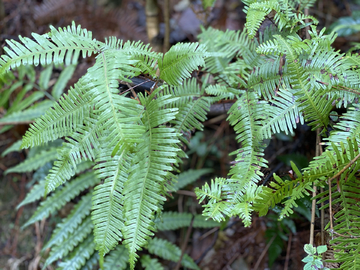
<point>168,251</point>
<point>122,153</point>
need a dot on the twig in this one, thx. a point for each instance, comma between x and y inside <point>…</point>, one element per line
<point>288,252</point>
<point>313,205</point>
<point>186,192</point>
<point>345,168</point>
<point>185,243</point>
<point>264,252</point>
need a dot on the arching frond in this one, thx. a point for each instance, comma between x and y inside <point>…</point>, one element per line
<point>58,46</point>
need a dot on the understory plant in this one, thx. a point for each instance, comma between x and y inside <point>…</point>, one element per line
<point>119,151</point>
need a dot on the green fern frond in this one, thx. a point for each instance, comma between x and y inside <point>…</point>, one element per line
<point>218,205</point>
<point>188,177</point>
<point>91,263</point>
<point>34,194</point>
<point>278,190</point>
<point>173,220</point>
<point>16,146</point>
<point>249,158</point>
<point>150,264</point>
<point>28,114</point>
<point>116,112</point>
<point>168,251</point>
<point>77,238</point>
<point>144,187</point>
<point>117,258</point>
<point>71,222</point>
<point>283,115</point>
<point>348,127</point>
<point>62,196</point>
<point>305,4</point>
<point>266,79</point>
<point>107,209</point>
<point>62,119</point>
<point>35,162</point>
<point>58,46</point>
<point>180,61</point>
<point>80,255</point>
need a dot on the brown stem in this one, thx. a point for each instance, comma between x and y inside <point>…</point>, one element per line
<point>167,26</point>
<point>185,243</point>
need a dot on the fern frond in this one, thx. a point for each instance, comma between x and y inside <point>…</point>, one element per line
<point>168,251</point>
<point>117,258</point>
<point>74,239</point>
<point>35,162</point>
<point>143,188</point>
<point>62,119</point>
<point>315,107</point>
<point>61,197</point>
<point>91,263</point>
<point>71,222</point>
<point>218,204</point>
<point>34,194</point>
<point>188,177</point>
<point>28,114</point>
<point>348,127</point>
<point>180,61</point>
<point>150,264</point>
<point>246,124</point>
<point>283,115</point>
<point>116,113</point>
<point>107,209</point>
<point>58,46</point>
<point>14,147</point>
<point>173,220</point>
<point>80,255</point>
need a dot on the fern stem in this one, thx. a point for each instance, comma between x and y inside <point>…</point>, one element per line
<point>344,169</point>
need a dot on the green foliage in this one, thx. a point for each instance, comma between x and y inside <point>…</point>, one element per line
<point>168,251</point>
<point>121,152</point>
<point>314,259</point>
